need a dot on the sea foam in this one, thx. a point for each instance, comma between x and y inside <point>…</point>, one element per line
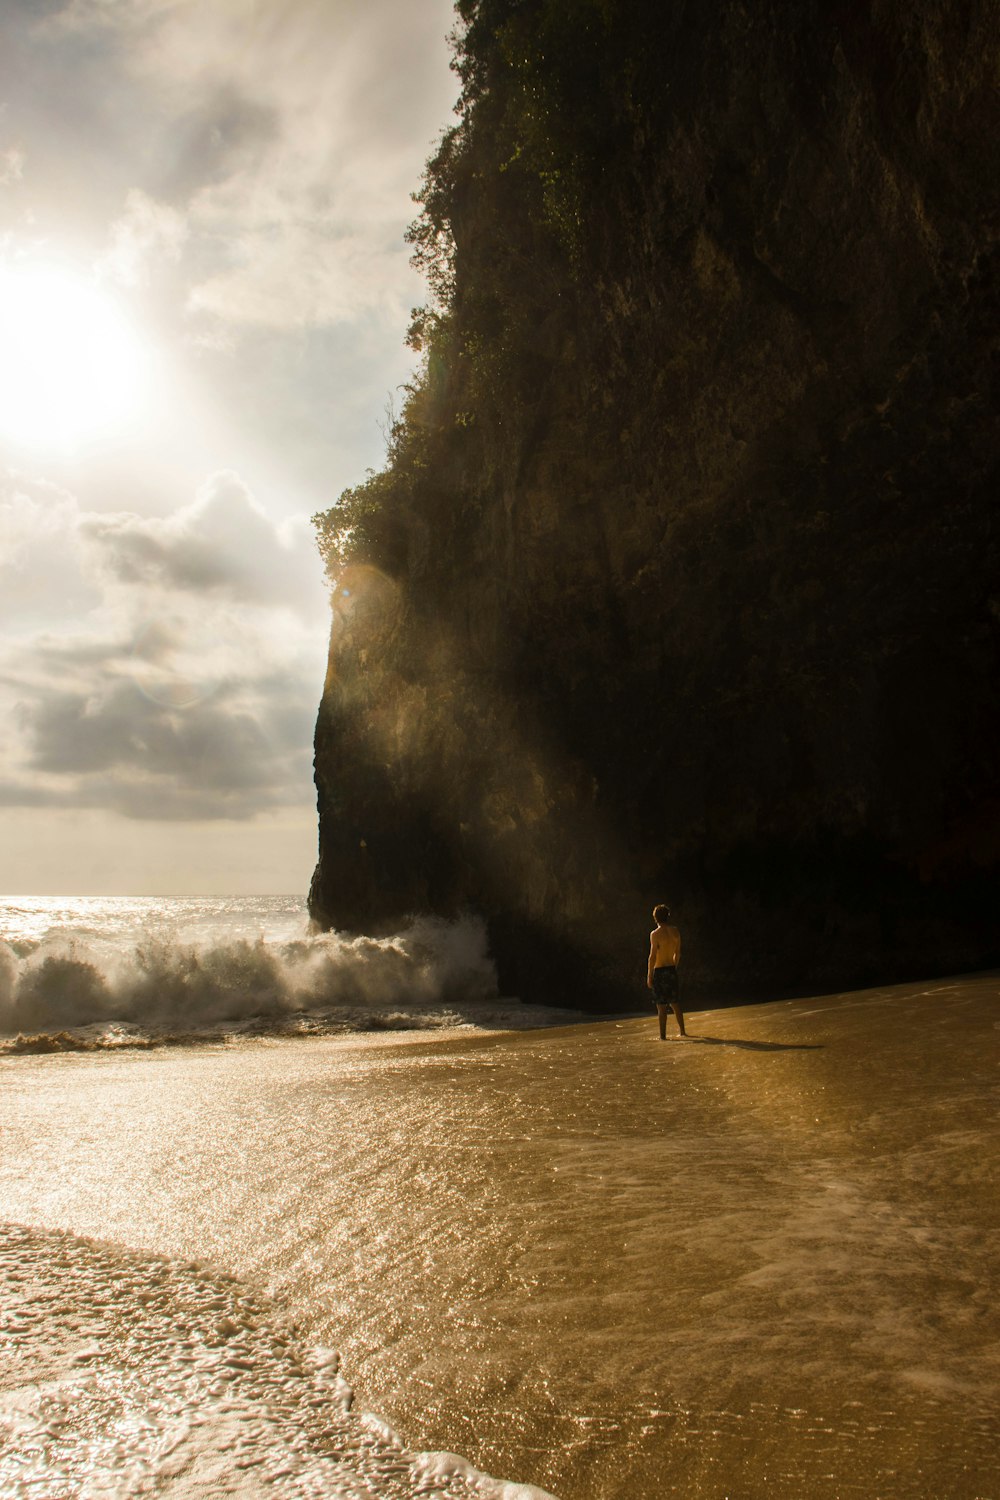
<point>126,1375</point>
<point>173,972</point>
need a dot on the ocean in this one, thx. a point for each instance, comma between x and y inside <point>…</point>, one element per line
<point>386,1261</point>
<point>103,971</point>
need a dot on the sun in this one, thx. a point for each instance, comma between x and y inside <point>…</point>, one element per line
<point>73,370</point>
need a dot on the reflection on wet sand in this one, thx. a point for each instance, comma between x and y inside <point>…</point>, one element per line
<point>757,1264</point>
<point>733,1041</point>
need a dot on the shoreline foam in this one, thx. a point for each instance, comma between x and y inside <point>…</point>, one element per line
<point>124,1374</point>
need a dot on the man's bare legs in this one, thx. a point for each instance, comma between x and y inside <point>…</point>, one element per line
<point>662,1011</point>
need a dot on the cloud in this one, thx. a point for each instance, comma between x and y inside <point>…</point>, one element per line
<point>146,233</point>
<point>234,756</point>
<point>225,132</point>
<point>183,683</point>
<point>223,544</point>
<point>287,151</point>
<point>42,576</point>
<point>11,165</point>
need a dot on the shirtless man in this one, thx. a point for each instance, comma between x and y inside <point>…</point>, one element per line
<point>661,974</point>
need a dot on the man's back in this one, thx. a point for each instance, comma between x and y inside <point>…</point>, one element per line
<point>665,943</point>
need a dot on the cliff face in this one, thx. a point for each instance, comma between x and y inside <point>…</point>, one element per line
<point>682,581</point>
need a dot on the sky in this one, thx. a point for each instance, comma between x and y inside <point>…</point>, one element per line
<point>204,293</point>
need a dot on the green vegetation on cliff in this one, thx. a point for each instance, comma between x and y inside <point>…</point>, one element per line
<point>681,580</point>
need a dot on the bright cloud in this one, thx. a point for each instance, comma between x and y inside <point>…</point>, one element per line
<point>223,545</point>
<point>147,233</point>
<point>182,682</point>
<point>11,165</point>
<point>291,150</point>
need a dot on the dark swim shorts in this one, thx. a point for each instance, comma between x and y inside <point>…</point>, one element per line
<point>666,986</point>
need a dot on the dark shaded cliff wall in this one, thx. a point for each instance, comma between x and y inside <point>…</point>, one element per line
<point>682,582</point>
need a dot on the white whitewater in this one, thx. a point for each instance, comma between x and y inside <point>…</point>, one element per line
<point>97,972</point>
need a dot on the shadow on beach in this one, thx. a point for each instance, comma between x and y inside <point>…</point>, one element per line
<point>732,1041</point>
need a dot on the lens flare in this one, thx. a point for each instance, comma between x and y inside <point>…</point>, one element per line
<point>174,665</point>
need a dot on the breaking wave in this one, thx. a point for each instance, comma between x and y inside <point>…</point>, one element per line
<point>97,984</point>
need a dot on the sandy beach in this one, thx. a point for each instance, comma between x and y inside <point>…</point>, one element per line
<point>758,1263</point>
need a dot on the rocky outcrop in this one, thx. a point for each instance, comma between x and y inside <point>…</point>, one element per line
<point>682,581</point>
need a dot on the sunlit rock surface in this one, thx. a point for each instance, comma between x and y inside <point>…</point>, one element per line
<point>759,1263</point>
<point>684,581</point>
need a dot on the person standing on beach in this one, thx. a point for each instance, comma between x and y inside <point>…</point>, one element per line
<point>661,974</point>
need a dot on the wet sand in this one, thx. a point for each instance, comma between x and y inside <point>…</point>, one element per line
<point>761,1262</point>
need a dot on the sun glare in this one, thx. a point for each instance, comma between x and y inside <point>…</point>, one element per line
<point>72,368</point>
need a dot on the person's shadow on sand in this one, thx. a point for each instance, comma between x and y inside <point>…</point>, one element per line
<point>731,1041</point>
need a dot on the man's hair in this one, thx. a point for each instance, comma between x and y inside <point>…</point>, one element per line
<point>661,914</point>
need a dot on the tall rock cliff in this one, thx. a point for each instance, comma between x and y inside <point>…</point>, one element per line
<point>682,582</point>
